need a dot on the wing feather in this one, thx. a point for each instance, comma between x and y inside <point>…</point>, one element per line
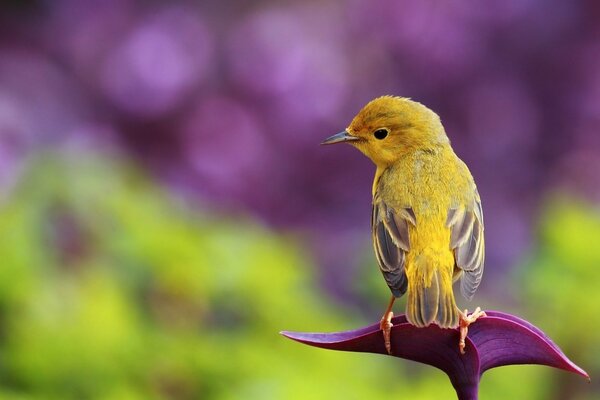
<point>391,241</point>
<point>467,242</point>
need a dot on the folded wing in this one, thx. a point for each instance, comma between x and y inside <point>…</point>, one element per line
<point>468,244</point>
<point>391,241</point>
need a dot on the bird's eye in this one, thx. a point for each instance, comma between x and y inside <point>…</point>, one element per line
<point>380,133</point>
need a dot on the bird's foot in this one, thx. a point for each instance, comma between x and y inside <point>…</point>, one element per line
<point>465,321</point>
<point>386,327</point>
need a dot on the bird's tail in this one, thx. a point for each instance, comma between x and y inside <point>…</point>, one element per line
<point>430,296</point>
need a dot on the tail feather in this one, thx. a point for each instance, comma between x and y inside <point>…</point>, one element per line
<point>431,300</point>
<point>430,296</point>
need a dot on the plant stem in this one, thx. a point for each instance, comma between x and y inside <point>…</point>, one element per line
<point>467,391</point>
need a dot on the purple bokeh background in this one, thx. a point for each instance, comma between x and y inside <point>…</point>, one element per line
<point>225,102</point>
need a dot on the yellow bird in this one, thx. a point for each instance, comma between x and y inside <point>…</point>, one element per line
<point>427,220</point>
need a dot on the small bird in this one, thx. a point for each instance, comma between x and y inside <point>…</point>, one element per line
<point>426,220</point>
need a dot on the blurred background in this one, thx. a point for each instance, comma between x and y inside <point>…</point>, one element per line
<point>165,209</point>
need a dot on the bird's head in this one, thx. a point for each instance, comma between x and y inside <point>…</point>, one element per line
<point>389,127</point>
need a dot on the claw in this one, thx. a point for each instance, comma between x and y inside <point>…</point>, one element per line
<point>386,326</point>
<point>465,321</point>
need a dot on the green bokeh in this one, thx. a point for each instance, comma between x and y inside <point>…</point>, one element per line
<point>561,282</point>
<point>112,289</point>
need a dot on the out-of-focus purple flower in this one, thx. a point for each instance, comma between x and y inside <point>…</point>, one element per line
<point>225,145</point>
<point>493,341</point>
<point>533,33</point>
<point>583,96</point>
<point>81,32</point>
<point>578,172</point>
<point>158,63</point>
<point>497,14</point>
<point>579,159</point>
<point>503,122</point>
<point>39,108</point>
<point>502,118</point>
<point>292,57</point>
<point>509,224</point>
<point>39,102</point>
<point>431,38</point>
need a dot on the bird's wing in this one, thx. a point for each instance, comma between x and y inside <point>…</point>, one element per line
<point>467,242</point>
<point>391,242</point>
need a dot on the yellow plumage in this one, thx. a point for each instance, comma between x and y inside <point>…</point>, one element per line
<point>427,220</point>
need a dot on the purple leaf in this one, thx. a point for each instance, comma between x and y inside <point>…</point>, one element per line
<point>493,341</point>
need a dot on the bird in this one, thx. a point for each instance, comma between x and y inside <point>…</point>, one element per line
<point>426,220</point>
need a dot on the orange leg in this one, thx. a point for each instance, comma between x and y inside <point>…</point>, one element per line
<point>465,321</point>
<point>386,325</point>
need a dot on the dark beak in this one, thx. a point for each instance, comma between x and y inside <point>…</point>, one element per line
<point>339,138</point>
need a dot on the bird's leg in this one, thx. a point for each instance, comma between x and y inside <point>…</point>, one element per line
<point>386,325</point>
<point>465,321</point>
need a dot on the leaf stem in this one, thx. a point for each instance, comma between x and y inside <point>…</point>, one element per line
<point>467,391</point>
